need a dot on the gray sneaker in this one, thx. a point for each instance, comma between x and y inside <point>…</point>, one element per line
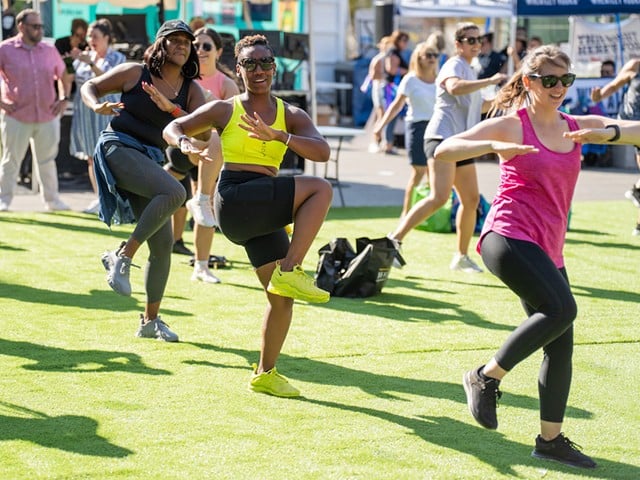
<point>156,329</point>
<point>117,268</point>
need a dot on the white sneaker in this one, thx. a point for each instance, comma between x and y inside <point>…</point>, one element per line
<point>633,194</point>
<point>4,206</point>
<point>56,206</point>
<point>636,231</point>
<point>201,212</point>
<point>93,208</point>
<point>464,264</point>
<point>374,148</point>
<point>204,275</point>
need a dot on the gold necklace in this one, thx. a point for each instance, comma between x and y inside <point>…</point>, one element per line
<point>176,90</point>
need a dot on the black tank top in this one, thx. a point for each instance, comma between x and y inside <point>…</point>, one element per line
<point>403,64</point>
<point>141,118</point>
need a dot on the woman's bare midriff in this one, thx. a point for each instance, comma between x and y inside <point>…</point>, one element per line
<point>248,167</point>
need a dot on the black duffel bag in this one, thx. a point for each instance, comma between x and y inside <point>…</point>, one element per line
<point>344,272</point>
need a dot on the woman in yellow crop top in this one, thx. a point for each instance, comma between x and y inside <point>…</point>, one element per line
<point>253,205</point>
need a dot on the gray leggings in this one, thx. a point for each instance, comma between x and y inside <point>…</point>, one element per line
<point>154,195</point>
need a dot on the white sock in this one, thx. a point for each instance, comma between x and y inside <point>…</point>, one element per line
<point>202,264</point>
<point>203,198</point>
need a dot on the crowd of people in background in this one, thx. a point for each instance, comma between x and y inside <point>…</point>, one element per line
<point>179,133</point>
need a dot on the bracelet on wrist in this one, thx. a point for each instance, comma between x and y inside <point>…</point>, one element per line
<point>286,144</point>
<point>175,113</point>
<point>616,135</point>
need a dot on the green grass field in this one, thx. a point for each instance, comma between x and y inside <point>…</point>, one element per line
<point>80,397</point>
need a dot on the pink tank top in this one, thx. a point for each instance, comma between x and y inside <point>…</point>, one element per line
<point>214,84</point>
<point>535,192</point>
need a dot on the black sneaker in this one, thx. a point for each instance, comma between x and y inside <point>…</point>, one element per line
<point>180,248</point>
<point>633,194</point>
<point>562,450</point>
<point>482,397</point>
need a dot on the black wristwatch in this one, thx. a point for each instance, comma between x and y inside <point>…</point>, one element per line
<point>616,129</point>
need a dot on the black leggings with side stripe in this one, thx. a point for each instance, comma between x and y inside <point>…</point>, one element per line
<point>546,297</point>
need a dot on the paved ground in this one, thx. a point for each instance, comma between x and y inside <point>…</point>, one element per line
<point>374,180</point>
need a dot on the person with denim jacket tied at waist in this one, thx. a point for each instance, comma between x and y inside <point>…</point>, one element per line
<point>253,205</point>
<point>129,155</point>
<point>523,235</point>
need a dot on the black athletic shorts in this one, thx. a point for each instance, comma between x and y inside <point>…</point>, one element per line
<point>430,145</point>
<point>252,210</point>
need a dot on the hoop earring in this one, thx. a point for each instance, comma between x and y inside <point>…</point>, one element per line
<point>191,69</point>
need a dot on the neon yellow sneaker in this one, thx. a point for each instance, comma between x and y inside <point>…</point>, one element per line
<point>296,284</point>
<point>272,382</point>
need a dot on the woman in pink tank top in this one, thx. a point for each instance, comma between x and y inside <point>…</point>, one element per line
<point>523,235</point>
<point>218,85</point>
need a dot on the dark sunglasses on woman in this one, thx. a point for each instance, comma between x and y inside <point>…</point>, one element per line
<point>550,81</point>
<point>471,40</point>
<point>207,47</point>
<point>250,64</point>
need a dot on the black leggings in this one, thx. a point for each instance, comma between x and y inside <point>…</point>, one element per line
<point>546,296</point>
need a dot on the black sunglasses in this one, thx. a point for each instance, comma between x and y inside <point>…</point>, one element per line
<point>429,55</point>
<point>471,40</point>
<point>550,81</point>
<point>250,64</point>
<point>207,47</point>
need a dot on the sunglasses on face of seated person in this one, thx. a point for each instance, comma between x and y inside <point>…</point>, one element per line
<point>429,55</point>
<point>471,40</point>
<point>207,47</point>
<point>550,81</point>
<point>250,64</point>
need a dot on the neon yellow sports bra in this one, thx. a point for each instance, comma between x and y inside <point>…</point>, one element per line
<point>238,147</point>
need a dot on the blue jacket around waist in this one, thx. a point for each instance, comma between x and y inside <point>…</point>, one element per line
<point>114,205</point>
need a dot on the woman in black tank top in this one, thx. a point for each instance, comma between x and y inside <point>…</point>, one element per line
<point>132,184</point>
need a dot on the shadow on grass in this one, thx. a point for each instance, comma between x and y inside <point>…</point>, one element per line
<point>581,231</point>
<point>381,386</point>
<point>39,220</point>
<point>601,244</point>
<point>71,433</point>
<point>96,300</point>
<point>489,447</point>
<point>55,359</point>
<point>408,308</point>
<point>623,296</point>
<point>11,248</point>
